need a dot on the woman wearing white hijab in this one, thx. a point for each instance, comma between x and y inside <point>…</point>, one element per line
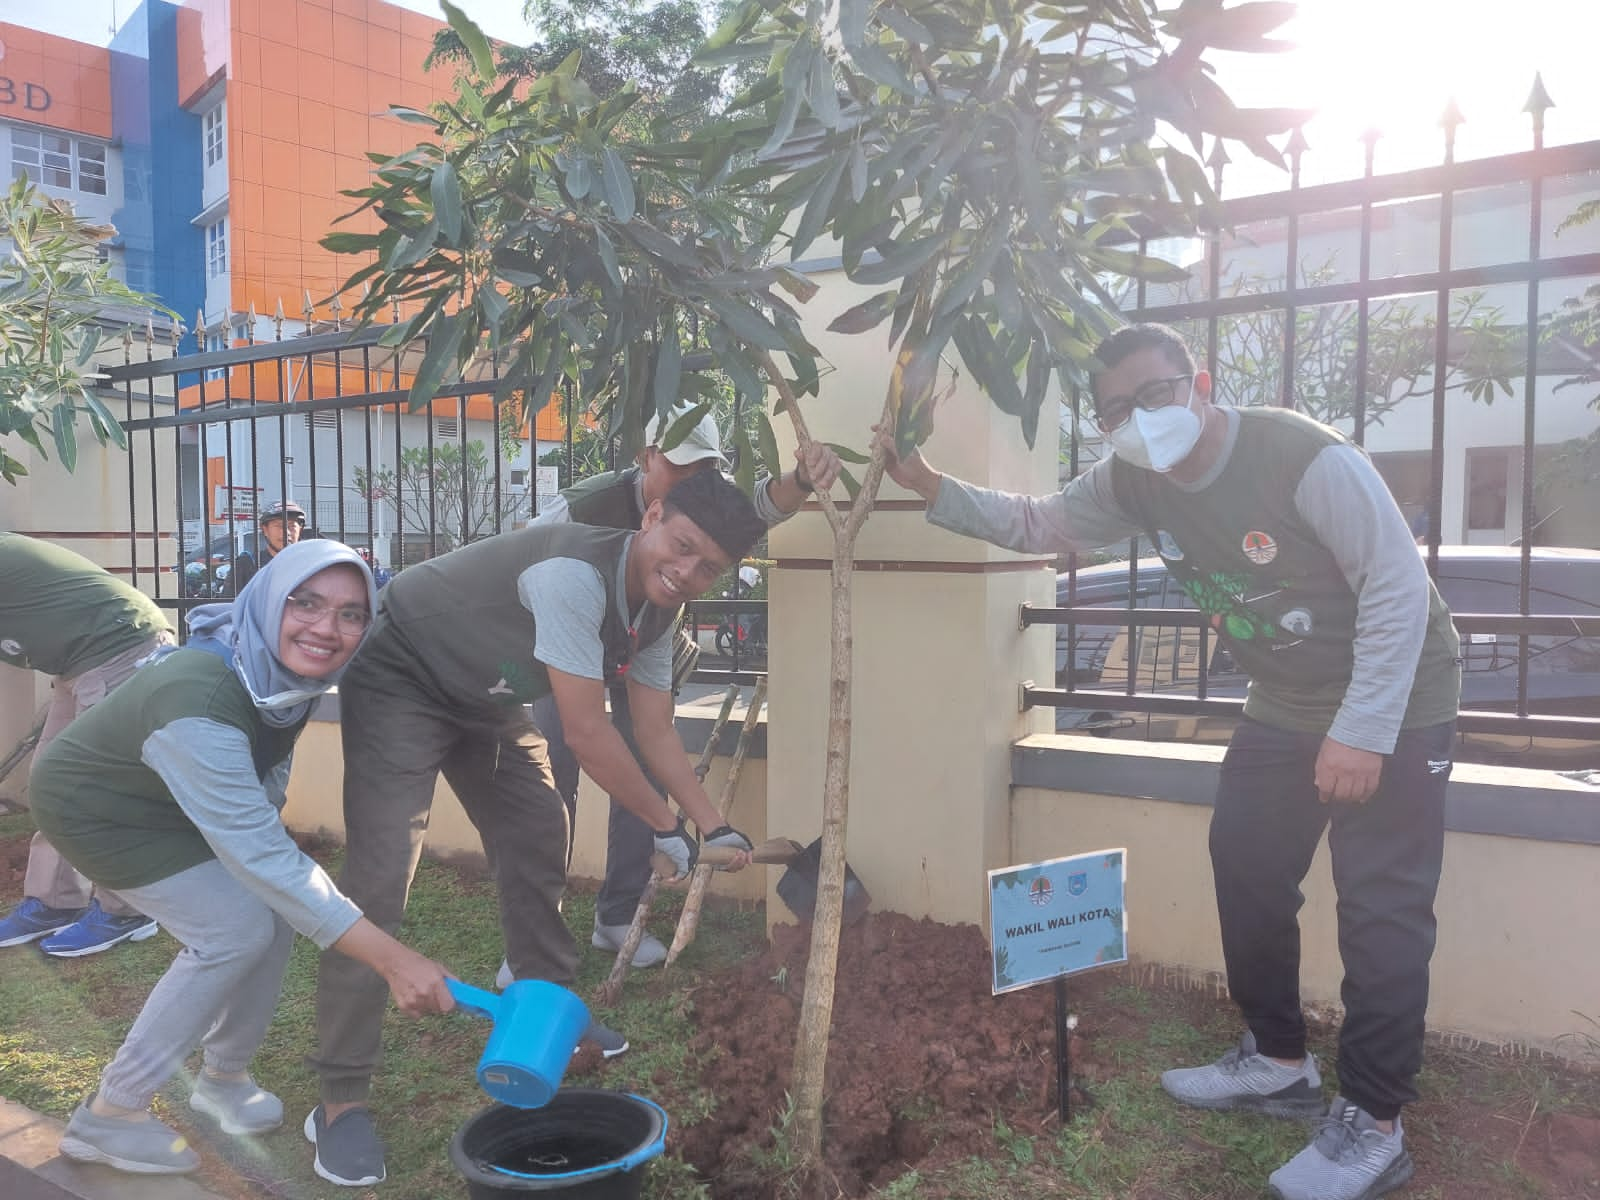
<point>170,792</point>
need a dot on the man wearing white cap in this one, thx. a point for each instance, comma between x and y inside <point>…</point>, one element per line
<point>618,499</point>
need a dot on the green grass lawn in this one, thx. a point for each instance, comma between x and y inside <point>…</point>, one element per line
<point>1480,1133</point>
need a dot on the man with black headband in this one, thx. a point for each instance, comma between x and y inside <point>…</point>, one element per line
<point>461,643</point>
<point>618,500</point>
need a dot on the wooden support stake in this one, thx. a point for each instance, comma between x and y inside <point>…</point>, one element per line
<point>689,919</point>
<point>611,989</point>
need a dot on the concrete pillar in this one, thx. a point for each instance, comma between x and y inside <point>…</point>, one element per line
<point>938,653</point>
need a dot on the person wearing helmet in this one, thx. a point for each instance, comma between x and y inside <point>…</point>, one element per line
<point>618,500</point>
<point>281,524</point>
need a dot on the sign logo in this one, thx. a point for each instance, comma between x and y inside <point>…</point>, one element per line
<point>1259,547</point>
<point>1167,546</point>
<point>1040,893</point>
<point>1077,883</point>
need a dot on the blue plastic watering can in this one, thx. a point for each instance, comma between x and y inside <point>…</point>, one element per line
<point>536,1028</point>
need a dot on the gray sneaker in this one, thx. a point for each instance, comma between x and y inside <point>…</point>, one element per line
<point>143,1147</point>
<point>610,937</point>
<point>611,1042</point>
<point>240,1106</point>
<point>1349,1158</point>
<point>349,1151</point>
<point>1242,1079</point>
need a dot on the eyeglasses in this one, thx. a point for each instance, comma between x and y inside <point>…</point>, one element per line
<point>1113,412</point>
<point>311,608</point>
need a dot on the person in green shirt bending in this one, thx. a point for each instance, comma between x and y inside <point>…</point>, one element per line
<point>1284,534</point>
<point>170,791</point>
<point>63,615</point>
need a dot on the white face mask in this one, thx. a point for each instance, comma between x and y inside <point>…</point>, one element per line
<point>1158,440</point>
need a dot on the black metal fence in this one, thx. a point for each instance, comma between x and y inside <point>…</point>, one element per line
<point>1400,308</point>
<point>322,420</point>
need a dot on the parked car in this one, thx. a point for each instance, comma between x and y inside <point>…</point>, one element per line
<point>1563,669</point>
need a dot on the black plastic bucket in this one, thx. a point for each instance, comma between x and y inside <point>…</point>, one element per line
<point>586,1144</point>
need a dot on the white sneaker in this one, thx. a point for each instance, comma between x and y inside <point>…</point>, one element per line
<point>1243,1079</point>
<point>610,937</point>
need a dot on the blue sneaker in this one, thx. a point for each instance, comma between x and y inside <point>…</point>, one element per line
<point>97,930</point>
<point>35,919</point>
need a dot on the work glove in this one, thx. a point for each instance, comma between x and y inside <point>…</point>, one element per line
<point>727,835</point>
<point>677,845</point>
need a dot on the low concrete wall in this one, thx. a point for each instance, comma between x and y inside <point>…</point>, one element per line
<point>1519,898</point>
<point>315,807</point>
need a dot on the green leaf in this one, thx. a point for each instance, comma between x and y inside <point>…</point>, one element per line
<point>767,443</point>
<point>444,189</point>
<point>349,243</point>
<point>901,260</point>
<point>669,364</point>
<point>848,455</point>
<point>62,419</point>
<point>415,116</point>
<point>851,483</point>
<point>681,425</point>
<point>608,255</point>
<point>472,38</point>
<point>784,125</point>
<point>858,172</point>
<point>744,473</point>
<point>864,316</point>
<point>617,184</point>
<point>443,340</point>
<point>905,25</point>
<point>580,178</point>
<point>815,215</point>
<point>822,93</point>
<point>746,324</point>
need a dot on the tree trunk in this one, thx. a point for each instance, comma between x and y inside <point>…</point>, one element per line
<point>816,1009</point>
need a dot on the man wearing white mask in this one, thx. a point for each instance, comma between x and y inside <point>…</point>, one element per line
<point>1285,535</point>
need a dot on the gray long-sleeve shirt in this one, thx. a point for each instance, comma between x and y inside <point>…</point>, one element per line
<point>1340,496</point>
<point>208,768</point>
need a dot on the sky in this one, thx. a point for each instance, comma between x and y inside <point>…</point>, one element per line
<point>1392,64</point>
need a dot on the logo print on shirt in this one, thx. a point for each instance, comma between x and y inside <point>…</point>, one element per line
<point>1259,547</point>
<point>1438,766</point>
<point>1297,621</point>
<point>1167,546</point>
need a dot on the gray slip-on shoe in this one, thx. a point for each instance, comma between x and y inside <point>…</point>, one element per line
<point>142,1147</point>
<point>610,937</point>
<point>349,1151</point>
<point>240,1106</point>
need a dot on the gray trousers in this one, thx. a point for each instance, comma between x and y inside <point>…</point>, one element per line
<point>51,879</point>
<point>629,839</point>
<point>397,740</point>
<point>219,993</point>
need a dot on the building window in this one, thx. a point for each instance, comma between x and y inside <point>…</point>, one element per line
<point>519,477</point>
<point>323,420</point>
<point>216,341</point>
<point>446,427</point>
<point>217,248</point>
<point>57,161</point>
<point>215,128</point>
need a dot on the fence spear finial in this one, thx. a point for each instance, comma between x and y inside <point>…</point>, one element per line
<point>309,309</point>
<point>1218,159</point>
<point>277,321</point>
<point>253,319</point>
<point>1370,136</point>
<point>336,308</point>
<point>200,330</point>
<point>1538,101</point>
<point>1450,120</point>
<point>1294,148</point>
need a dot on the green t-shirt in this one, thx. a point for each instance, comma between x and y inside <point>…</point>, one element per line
<point>61,614</point>
<point>107,812</point>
